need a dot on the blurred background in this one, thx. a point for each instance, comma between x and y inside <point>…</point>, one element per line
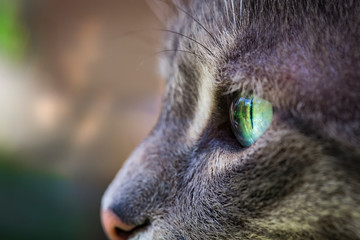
<point>79,89</point>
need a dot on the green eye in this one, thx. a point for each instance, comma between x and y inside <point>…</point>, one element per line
<point>250,117</point>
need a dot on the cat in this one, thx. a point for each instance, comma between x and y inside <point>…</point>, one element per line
<point>193,178</point>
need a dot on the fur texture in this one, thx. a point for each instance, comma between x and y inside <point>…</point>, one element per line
<point>191,179</point>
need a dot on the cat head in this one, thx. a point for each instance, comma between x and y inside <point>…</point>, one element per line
<point>192,179</point>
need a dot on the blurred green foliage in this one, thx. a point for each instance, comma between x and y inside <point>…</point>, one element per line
<point>13,36</point>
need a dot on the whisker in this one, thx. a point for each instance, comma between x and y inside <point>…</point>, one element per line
<point>227,11</point>
<point>164,51</point>
<point>233,10</point>
<point>178,50</point>
<point>111,39</point>
<point>183,35</point>
<point>241,6</point>
<point>194,19</point>
<point>132,33</point>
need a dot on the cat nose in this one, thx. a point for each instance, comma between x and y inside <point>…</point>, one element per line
<point>114,228</point>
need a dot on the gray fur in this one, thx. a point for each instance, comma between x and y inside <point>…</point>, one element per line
<point>301,179</point>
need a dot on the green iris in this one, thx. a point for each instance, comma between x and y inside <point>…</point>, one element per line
<point>250,117</point>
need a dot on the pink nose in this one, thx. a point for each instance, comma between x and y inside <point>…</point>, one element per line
<point>114,228</point>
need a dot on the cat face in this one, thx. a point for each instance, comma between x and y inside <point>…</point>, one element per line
<point>192,179</point>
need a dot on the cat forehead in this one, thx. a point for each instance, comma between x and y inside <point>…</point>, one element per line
<point>259,41</point>
<point>296,54</point>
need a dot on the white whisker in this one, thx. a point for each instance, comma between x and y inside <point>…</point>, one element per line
<point>233,10</point>
<point>227,10</point>
<point>241,5</point>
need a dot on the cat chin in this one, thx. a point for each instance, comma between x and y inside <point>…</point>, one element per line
<point>143,234</point>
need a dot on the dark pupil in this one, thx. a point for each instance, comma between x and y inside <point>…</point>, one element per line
<point>251,113</point>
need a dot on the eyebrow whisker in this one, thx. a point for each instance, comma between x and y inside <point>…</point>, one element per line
<point>165,51</point>
<point>194,40</point>
<point>177,50</point>
<point>195,20</point>
<point>233,11</point>
<point>227,11</point>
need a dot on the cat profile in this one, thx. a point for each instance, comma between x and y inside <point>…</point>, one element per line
<point>198,176</point>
